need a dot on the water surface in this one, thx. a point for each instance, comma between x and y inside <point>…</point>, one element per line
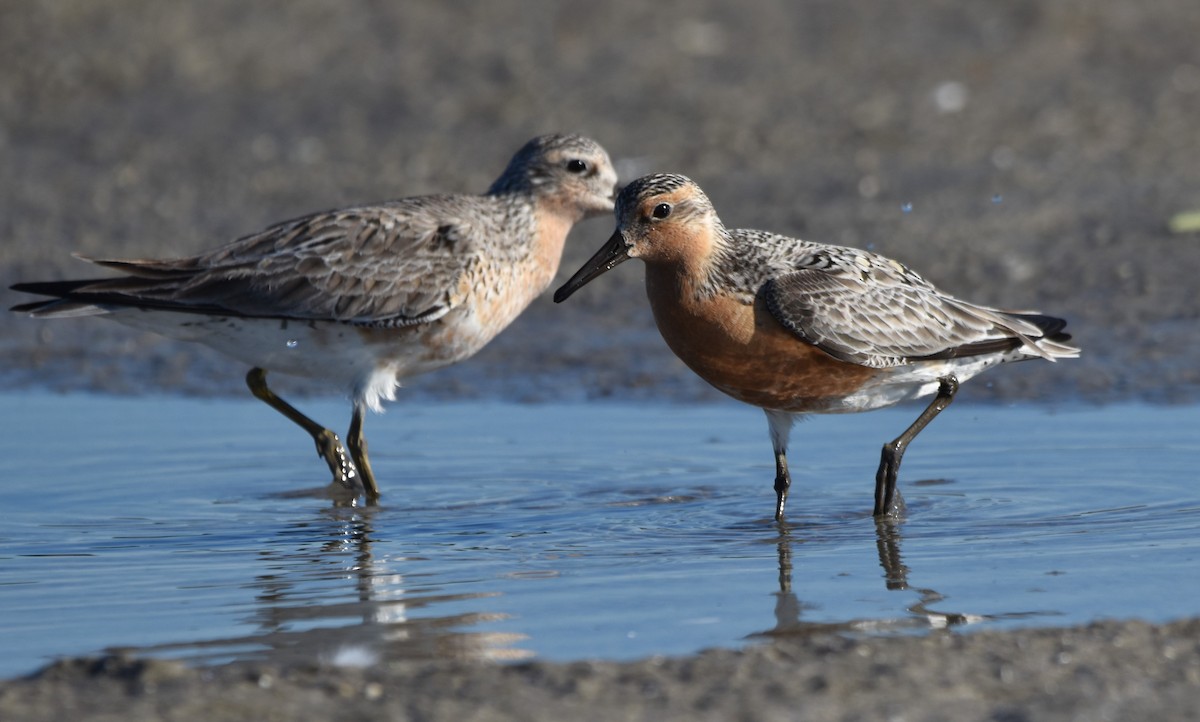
<point>173,527</point>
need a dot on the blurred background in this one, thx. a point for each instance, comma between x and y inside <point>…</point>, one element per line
<point>1022,154</point>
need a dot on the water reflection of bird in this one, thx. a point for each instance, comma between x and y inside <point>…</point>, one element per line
<point>795,327</point>
<point>325,596</point>
<point>363,297</point>
<point>789,608</point>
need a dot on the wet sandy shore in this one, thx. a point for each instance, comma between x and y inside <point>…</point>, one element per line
<point>1102,671</point>
<point>1043,147</point>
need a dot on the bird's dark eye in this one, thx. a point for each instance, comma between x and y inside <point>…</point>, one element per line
<point>662,210</point>
<point>577,166</point>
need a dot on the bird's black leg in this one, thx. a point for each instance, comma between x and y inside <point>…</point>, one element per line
<point>358,451</point>
<point>783,482</point>
<point>780,423</point>
<point>329,446</point>
<point>893,452</point>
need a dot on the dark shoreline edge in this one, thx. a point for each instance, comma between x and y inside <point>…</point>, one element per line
<point>1104,670</point>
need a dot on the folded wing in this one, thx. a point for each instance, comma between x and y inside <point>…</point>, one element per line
<point>872,311</point>
<point>388,265</point>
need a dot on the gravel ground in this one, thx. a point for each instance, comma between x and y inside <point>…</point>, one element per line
<point>134,128</point>
<point>1041,150</point>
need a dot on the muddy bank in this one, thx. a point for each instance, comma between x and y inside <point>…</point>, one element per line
<point>1040,149</point>
<point>1107,670</point>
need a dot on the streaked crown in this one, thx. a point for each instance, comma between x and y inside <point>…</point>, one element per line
<point>557,162</point>
<point>680,191</point>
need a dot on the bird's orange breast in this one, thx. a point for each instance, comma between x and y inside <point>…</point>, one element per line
<point>740,349</point>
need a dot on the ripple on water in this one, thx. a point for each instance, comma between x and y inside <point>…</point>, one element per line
<point>572,531</point>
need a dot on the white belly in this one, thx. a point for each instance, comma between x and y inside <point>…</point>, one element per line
<point>916,380</point>
<point>365,363</point>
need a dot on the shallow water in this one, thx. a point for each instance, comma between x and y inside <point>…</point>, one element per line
<point>172,527</point>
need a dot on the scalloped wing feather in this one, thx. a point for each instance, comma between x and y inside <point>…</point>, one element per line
<point>389,265</point>
<point>891,321</point>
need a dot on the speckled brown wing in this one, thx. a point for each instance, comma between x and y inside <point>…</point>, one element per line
<point>875,312</point>
<point>389,265</point>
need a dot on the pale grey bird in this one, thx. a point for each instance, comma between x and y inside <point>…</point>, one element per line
<point>363,297</point>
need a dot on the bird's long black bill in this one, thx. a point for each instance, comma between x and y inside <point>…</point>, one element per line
<point>613,253</point>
